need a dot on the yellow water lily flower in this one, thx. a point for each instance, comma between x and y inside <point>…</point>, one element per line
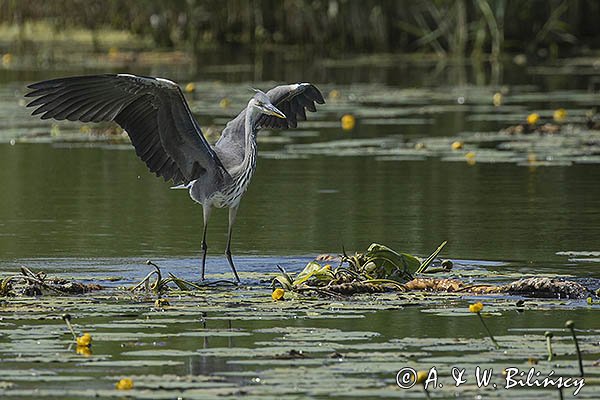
<point>497,99</point>
<point>422,376</point>
<point>457,145</point>
<point>124,384</point>
<point>278,294</point>
<point>334,94</point>
<point>224,103</point>
<point>190,87</point>
<point>533,118</point>
<point>84,340</point>
<point>6,59</point>
<point>470,156</point>
<point>348,122</point>
<point>560,115</point>
<point>83,351</point>
<point>475,308</point>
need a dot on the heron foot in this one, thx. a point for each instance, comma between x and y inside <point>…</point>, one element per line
<point>230,260</point>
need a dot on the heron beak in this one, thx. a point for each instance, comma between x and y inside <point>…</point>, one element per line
<point>270,109</point>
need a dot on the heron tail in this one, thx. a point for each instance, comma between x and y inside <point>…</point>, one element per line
<point>182,186</point>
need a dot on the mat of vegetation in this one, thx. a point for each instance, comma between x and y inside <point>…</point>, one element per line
<point>166,338</point>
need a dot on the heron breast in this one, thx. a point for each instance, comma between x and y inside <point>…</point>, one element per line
<point>231,195</point>
<point>217,200</point>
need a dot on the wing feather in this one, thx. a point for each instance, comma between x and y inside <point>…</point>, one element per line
<point>285,98</point>
<point>293,100</point>
<point>152,111</point>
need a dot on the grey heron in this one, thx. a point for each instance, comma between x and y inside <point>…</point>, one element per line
<point>166,136</point>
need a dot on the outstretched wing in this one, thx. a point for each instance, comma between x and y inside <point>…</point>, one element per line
<point>293,100</point>
<point>153,111</point>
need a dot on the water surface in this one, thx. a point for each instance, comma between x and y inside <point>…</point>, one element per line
<point>94,212</point>
<point>72,201</point>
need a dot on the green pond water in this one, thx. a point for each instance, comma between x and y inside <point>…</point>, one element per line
<point>92,212</point>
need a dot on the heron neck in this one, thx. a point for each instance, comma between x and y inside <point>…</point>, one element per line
<point>250,140</point>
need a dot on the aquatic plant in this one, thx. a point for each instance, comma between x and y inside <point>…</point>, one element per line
<point>274,348</point>
<point>84,340</point>
<point>533,118</point>
<point>571,326</point>
<point>124,384</point>
<point>476,308</point>
<point>549,335</point>
<point>421,378</point>
<point>67,319</point>
<point>278,294</point>
<point>160,285</point>
<point>36,283</point>
<point>348,122</point>
<point>375,270</point>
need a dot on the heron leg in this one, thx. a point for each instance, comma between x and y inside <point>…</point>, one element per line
<point>232,214</point>
<point>206,214</point>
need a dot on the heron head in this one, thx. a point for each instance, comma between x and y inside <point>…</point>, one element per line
<point>262,102</point>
